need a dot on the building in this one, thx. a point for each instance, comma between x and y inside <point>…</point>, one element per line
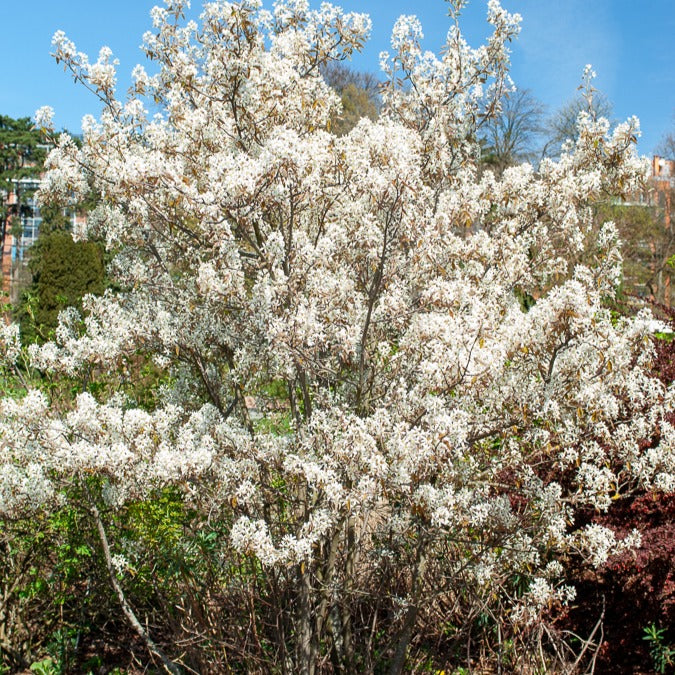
<point>662,184</point>
<point>18,240</point>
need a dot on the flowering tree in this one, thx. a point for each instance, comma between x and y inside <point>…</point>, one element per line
<point>426,441</point>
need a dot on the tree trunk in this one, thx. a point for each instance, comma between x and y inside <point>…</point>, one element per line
<point>398,661</point>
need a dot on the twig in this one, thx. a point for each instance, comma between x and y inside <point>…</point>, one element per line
<point>589,642</point>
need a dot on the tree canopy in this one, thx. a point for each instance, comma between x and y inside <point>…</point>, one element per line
<point>359,94</point>
<point>63,272</point>
<point>514,135</point>
<point>356,406</point>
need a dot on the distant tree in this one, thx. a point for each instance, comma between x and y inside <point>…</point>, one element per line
<point>666,147</point>
<point>514,134</point>
<point>356,103</point>
<point>648,248</point>
<point>359,92</point>
<point>62,271</point>
<point>564,124</point>
<point>338,76</point>
<point>21,156</point>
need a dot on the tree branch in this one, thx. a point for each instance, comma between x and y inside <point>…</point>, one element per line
<point>153,648</point>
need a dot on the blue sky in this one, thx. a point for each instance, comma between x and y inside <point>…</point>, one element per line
<point>630,45</point>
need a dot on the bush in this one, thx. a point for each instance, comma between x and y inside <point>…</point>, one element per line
<point>391,400</point>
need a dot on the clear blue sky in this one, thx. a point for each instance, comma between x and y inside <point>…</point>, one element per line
<point>629,43</point>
